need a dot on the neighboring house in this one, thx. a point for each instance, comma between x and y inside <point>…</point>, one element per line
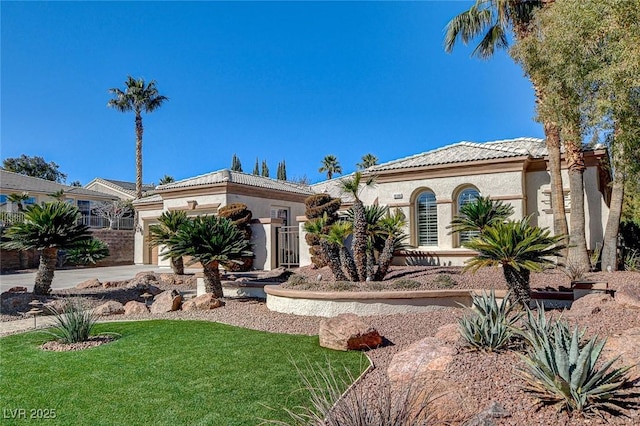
<point>430,188</point>
<point>275,206</point>
<point>121,189</point>
<point>40,190</point>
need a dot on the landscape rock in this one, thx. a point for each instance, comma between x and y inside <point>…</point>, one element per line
<point>166,279</point>
<point>53,307</point>
<point>133,307</point>
<point>425,359</point>
<point>110,308</point>
<point>279,274</point>
<point>143,279</point>
<point>629,295</point>
<point>113,284</point>
<point>627,346</point>
<point>17,289</point>
<point>348,332</point>
<point>486,417</point>
<point>448,333</point>
<point>92,283</point>
<point>590,304</point>
<point>204,302</point>
<point>167,301</point>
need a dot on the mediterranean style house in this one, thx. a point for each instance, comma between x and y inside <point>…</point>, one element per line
<point>429,188</point>
<point>40,190</point>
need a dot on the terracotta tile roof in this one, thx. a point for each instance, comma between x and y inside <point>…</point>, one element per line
<point>469,151</point>
<point>15,183</point>
<point>225,175</point>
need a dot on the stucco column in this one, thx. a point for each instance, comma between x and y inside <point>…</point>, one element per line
<point>304,255</point>
<point>445,215</point>
<point>264,241</point>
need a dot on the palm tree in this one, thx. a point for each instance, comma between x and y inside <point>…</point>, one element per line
<point>138,97</point>
<point>330,165</point>
<point>166,179</point>
<point>211,241</point>
<point>480,214</point>
<point>162,233</point>
<point>338,233</point>
<point>352,187</point>
<point>47,227</point>
<point>317,228</point>
<point>492,19</point>
<point>18,200</point>
<point>391,226</point>
<point>519,248</point>
<point>368,160</point>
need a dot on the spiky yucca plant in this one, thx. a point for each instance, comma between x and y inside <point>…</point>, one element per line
<point>87,252</point>
<point>491,325</point>
<point>519,248</point>
<point>74,323</point>
<point>338,233</point>
<point>47,228</point>
<point>161,234</point>
<point>212,241</point>
<point>562,370</point>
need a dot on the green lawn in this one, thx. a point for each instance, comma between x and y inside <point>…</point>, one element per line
<point>162,372</point>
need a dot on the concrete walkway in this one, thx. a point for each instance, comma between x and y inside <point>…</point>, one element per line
<point>68,278</point>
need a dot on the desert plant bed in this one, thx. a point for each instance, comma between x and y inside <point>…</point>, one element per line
<point>163,372</point>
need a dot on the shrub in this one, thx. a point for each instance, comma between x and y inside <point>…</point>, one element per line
<point>296,280</point>
<point>74,323</point>
<point>491,325</point>
<point>87,252</point>
<point>561,370</point>
<point>631,260</point>
<point>444,281</point>
<point>574,270</point>
<point>405,284</point>
<point>342,286</point>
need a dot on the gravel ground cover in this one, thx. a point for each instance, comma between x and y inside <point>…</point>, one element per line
<point>485,378</point>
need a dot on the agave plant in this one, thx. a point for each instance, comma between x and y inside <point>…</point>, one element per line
<point>561,370</point>
<point>161,234</point>
<point>491,325</point>
<point>212,241</point>
<point>47,228</point>
<point>519,248</point>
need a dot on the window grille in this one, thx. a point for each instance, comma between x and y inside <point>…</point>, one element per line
<point>427,224</point>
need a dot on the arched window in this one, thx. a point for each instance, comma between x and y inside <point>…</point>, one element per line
<point>466,196</point>
<point>427,223</point>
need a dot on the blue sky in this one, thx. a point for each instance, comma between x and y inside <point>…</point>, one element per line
<point>277,81</point>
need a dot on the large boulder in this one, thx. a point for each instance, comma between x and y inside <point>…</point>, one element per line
<point>204,302</point>
<point>142,280</point>
<point>589,305</point>
<point>109,308</point>
<point>348,332</point>
<point>448,333</point>
<point>425,359</point>
<point>55,306</point>
<point>629,295</point>
<point>92,283</point>
<point>17,289</point>
<point>167,301</point>
<point>133,307</point>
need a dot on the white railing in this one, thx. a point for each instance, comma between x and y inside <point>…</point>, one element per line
<point>123,223</point>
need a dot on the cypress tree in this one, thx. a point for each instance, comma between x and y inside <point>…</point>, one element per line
<point>282,171</point>
<point>256,168</point>
<point>236,165</point>
<point>265,169</point>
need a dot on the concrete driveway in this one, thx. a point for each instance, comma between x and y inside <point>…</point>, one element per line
<point>67,278</point>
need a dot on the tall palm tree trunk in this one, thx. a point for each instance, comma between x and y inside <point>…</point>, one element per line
<point>212,282</point>
<point>359,243</point>
<point>44,276</point>
<point>518,283</point>
<point>385,258</point>
<point>139,131</point>
<point>348,263</point>
<point>577,237</point>
<point>177,265</point>
<point>610,244</point>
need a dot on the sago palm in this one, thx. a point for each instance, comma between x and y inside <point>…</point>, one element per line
<point>338,233</point>
<point>138,97</point>
<point>211,241</point>
<point>318,227</point>
<point>47,228</point>
<point>161,234</point>
<point>352,186</point>
<point>392,226</point>
<point>480,213</point>
<point>519,248</point>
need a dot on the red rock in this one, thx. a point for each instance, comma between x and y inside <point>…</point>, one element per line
<point>133,307</point>
<point>420,360</point>
<point>448,333</point>
<point>167,301</point>
<point>167,279</point>
<point>348,332</point>
<point>109,308</point>
<point>627,346</point>
<point>203,302</point>
<point>17,290</point>
<point>53,307</point>
<point>92,283</point>
<point>590,304</point>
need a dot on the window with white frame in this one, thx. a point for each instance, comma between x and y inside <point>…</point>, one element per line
<point>427,219</point>
<point>467,196</point>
